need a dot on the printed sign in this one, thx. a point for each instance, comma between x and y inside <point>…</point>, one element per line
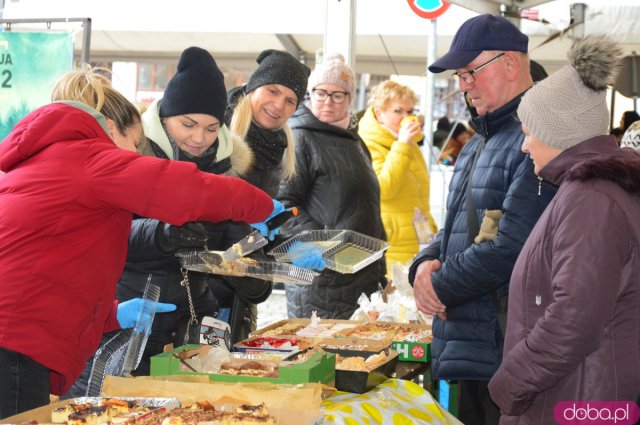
<point>30,64</point>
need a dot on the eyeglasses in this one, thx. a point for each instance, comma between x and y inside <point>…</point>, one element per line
<point>468,77</point>
<point>336,96</point>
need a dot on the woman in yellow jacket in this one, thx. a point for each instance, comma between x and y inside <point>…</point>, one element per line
<point>399,165</point>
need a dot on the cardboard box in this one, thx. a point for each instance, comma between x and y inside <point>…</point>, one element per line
<point>351,344</point>
<point>43,414</point>
<point>327,327</point>
<point>412,351</point>
<point>319,368</point>
<point>276,344</point>
<point>279,399</point>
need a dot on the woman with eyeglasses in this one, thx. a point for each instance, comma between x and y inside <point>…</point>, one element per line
<point>400,167</point>
<point>334,188</point>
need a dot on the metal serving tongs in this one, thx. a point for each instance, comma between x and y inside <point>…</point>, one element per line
<point>215,259</point>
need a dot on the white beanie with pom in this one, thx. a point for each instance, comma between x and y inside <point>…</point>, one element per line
<point>569,106</point>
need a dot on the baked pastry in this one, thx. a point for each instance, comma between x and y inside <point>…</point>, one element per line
<point>359,363</point>
<point>249,368</point>
<point>285,329</point>
<point>94,415</point>
<point>204,414</point>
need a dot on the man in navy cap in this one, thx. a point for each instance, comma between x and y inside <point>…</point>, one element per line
<point>462,277</point>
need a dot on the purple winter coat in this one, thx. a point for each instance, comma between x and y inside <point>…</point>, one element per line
<point>582,260</point>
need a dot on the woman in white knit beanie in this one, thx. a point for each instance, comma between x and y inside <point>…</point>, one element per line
<point>573,329</point>
<point>335,188</point>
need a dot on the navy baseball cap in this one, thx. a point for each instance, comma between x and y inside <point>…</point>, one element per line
<point>484,32</point>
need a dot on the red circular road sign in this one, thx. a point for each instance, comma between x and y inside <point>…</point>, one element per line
<point>428,9</point>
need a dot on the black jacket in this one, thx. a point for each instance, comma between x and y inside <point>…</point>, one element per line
<point>231,157</point>
<point>335,187</point>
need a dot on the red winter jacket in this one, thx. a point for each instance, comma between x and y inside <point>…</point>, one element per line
<point>66,204</point>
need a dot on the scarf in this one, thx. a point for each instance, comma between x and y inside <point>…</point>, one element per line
<point>267,145</point>
<point>205,162</point>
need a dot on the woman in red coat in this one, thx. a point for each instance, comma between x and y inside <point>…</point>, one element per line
<point>66,205</point>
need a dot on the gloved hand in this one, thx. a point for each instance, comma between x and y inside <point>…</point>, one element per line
<point>190,235</point>
<point>129,311</point>
<point>262,226</point>
<point>312,261</point>
<point>306,257</point>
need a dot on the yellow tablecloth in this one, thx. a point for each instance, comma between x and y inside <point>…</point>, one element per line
<point>396,401</point>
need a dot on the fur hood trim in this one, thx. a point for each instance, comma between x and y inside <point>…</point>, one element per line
<point>625,172</point>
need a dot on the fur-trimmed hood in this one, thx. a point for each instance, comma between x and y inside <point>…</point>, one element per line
<point>598,158</point>
<point>230,147</point>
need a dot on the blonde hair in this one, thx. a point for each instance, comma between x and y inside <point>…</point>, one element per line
<point>388,91</point>
<point>91,87</point>
<point>239,127</point>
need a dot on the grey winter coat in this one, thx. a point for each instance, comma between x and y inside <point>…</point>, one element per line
<point>573,329</point>
<point>335,187</point>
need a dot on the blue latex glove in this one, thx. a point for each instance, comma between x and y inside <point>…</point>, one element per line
<point>311,261</point>
<point>262,226</point>
<point>306,257</point>
<point>129,311</point>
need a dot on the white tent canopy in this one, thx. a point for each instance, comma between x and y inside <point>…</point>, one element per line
<point>388,33</point>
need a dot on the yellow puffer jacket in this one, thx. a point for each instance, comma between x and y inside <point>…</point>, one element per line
<point>404,185</point>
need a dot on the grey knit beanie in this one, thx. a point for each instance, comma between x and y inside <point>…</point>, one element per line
<point>569,106</point>
<point>334,70</point>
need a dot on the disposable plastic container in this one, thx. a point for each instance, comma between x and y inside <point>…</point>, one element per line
<point>122,353</point>
<point>108,360</point>
<point>344,251</point>
<point>265,270</point>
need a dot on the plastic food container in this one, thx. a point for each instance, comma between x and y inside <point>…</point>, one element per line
<point>265,270</point>
<point>344,251</point>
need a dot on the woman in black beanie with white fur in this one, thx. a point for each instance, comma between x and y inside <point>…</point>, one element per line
<point>187,124</point>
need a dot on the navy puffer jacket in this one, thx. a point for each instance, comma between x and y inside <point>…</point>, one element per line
<point>468,345</point>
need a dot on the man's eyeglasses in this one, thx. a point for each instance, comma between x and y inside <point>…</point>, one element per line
<point>336,96</point>
<point>468,76</point>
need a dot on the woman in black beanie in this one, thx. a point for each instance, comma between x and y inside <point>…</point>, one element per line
<point>187,124</point>
<point>257,114</point>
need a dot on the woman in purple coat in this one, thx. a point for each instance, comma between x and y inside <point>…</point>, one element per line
<point>573,330</point>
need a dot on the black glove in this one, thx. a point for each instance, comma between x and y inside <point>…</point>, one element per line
<point>171,238</point>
